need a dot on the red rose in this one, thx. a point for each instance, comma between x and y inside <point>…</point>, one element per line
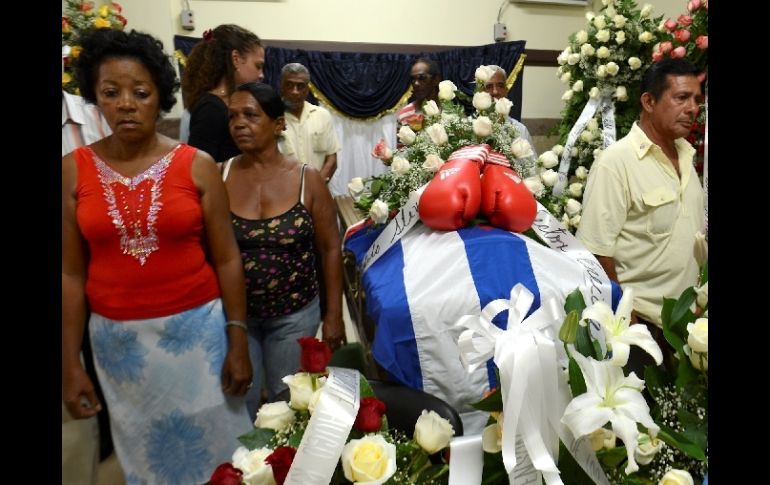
<point>670,25</point>
<point>369,418</point>
<point>280,460</point>
<point>702,42</point>
<point>316,354</point>
<point>226,474</point>
<point>682,35</point>
<point>684,20</point>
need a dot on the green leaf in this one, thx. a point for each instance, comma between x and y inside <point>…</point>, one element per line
<point>611,458</point>
<point>296,438</point>
<point>704,274</point>
<point>576,381</point>
<point>493,402</point>
<point>365,388</point>
<point>376,188</point>
<point>571,473</point>
<point>668,330</point>
<point>686,373</point>
<point>682,305</point>
<point>257,438</point>
<point>575,302</point>
<point>681,442</point>
<point>656,379</point>
<point>494,470</point>
<point>583,342</point>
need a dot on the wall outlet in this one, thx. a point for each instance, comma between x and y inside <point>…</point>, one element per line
<point>501,32</point>
<point>188,21</point>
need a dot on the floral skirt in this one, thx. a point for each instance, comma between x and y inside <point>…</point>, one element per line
<point>171,423</point>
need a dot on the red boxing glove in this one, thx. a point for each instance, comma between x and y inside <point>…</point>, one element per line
<point>451,200</point>
<point>505,199</point>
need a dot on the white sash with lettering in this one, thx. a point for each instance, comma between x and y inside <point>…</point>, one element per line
<point>321,446</point>
<point>531,360</point>
<point>607,107</point>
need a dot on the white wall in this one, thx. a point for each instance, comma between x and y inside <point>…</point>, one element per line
<point>432,22</point>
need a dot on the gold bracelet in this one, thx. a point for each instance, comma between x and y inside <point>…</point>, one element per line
<point>237,323</point>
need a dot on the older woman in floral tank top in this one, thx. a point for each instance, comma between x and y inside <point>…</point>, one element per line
<point>281,212</point>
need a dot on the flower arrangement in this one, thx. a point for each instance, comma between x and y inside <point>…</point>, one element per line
<point>372,454</point>
<point>79,17</point>
<point>608,59</point>
<point>664,434</point>
<point>430,138</point>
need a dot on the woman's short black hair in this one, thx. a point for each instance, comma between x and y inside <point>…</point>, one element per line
<point>267,97</point>
<point>101,44</point>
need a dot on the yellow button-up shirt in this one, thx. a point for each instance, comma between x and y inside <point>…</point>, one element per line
<point>639,212</point>
<point>311,137</point>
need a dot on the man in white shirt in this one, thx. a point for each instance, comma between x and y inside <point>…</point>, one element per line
<point>310,136</point>
<point>497,87</point>
<point>81,123</point>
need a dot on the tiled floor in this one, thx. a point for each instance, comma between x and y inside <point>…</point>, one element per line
<point>110,473</point>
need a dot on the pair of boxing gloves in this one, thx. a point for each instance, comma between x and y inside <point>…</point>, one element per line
<point>458,192</point>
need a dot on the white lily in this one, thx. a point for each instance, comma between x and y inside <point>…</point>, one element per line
<point>610,396</point>
<point>619,333</point>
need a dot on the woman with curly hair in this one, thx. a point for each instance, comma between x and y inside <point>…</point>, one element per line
<point>148,247</point>
<point>227,56</point>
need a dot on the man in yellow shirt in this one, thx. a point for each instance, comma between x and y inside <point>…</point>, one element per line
<point>310,136</point>
<point>643,204</point>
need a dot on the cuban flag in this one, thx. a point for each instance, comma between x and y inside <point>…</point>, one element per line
<point>418,289</point>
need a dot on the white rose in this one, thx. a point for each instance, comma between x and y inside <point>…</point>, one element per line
<point>432,432</point>
<point>581,172</point>
<point>549,177</point>
<point>573,207</point>
<point>483,73</point>
<point>702,295</point>
<point>594,92</point>
<point>602,52</point>
<point>619,21</point>
<point>676,477</point>
<point>521,148</point>
<point>590,16</point>
<point>612,68</point>
<point>610,11</point>
<point>621,94</point>
<point>534,185</point>
<point>492,438</point>
<point>646,449</point>
<point>561,59</point>
<point>567,95</point>
<point>581,37</point>
<point>573,152</point>
<point>549,159</point>
<point>379,211</point>
<point>437,133</point>
<point>575,221</point>
<point>573,59</point>
<point>646,11</point>
<point>275,415</point>
<point>406,135</point>
<point>634,63</point>
<point>620,37</point>
<point>432,163</point>
<point>370,460</point>
<point>593,124</point>
<point>662,26</point>
<point>313,402</point>
<point>252,464</point>
<point>446,90</point>
<point>576,189</point>
<point>565,78</point>
<point>602,438</point>
<point>646,37</point>
<point>503,106</point>
<point>482,101</point>
<point>565,220</point>
<point>356,186</point>
<point>599,22</point>
<point>578,86</point>
<point>701,248</point>
<point>558,150</point>
<point>587,136</point>
<point>400,165</point>
<point>301,387</point>
<point>448,117</point>
<point>587,50</point>
<point>597,152</point>
<point>603,35</point>
<point>482,126</point>
<point>431,108</point>
<point>699,361</point>
<point>698,335</point>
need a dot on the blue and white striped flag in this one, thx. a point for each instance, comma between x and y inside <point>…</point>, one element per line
<point>418,289</point>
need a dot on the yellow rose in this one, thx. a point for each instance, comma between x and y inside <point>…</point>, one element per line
<point>369,459</point>
<point>65,78</point>
<point>101,23</point>
<point>75,51</point>
<point>104,11</point>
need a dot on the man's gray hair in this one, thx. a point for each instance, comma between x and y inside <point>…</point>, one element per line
<point>497,69</point>
<point>294,68</point>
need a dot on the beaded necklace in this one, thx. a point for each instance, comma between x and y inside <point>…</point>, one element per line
<point>132,211</point>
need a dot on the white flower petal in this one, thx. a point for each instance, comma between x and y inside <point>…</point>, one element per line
<point>626,305</point>
<point>620,351</point>
<point>640,336</point>
<point>583,414</point>
<point>600,312</point>
<point>626,430</point>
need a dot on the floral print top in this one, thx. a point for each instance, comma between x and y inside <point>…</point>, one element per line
<point>279,261</point>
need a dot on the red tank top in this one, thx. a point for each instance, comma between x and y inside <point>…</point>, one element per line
<point>144,235</point>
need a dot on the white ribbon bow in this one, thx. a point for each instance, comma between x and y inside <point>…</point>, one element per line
<point>527,355</point>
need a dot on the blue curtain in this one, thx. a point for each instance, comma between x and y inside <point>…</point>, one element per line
<point>362,85</point>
